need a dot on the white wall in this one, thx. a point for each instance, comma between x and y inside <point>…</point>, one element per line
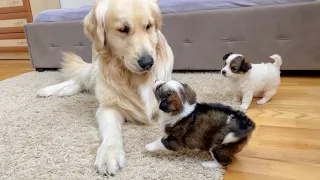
<point>75,3</point>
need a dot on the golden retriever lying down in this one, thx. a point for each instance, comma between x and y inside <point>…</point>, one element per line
<point>131,54</point>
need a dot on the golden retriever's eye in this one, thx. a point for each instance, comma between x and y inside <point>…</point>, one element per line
<point>148,27</point>
<point>124,30</point>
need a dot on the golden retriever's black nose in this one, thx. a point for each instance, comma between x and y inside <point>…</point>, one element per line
<point>146,62</point>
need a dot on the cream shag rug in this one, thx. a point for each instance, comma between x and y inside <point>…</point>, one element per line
<point>57,138</point>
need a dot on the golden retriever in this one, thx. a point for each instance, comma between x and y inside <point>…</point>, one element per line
<point>131,53</point>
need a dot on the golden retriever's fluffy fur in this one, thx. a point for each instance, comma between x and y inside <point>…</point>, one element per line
<point>123,32</point>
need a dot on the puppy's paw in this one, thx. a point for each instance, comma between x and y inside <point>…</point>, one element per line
<point>151,147</point>
<point>211,164</point>
<point>226,162</point>
<point>237,99</point>
<point>110,159</point>
<point>155,146</point>
<point>244,107</point>
<point>261,101</point>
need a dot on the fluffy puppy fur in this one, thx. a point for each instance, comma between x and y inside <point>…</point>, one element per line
<point>130,54</point>
<point>216,128</point>
<point>248,80</point>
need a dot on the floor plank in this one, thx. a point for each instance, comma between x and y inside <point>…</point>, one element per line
<point>287,143</point>
<point>289,132</point>
<point>239,175</point>
<point>11,68</point>
<point>273,114</point>
<point>289,153</point>
<point>277,169</point>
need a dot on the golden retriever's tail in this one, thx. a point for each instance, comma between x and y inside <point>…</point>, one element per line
<point>73,67</point>
<point>277,60</point>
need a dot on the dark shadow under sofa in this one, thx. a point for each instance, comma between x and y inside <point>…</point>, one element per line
<point>199,34</point>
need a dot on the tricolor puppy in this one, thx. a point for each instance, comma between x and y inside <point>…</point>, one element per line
<point>216,128</point>
<point>248,80</point>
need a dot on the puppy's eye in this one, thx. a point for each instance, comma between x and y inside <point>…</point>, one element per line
<point>124,30</point>
<point>148,27</point>
<point>234,69</point>
<point>164,98</point>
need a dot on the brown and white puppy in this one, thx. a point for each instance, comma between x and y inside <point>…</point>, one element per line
<point>249,80</point>
<point>131,54</point>
<point>216,128</point>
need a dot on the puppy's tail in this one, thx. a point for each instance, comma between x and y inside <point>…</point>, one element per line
<point>240,127</point>
<point>277,60</point>
<point>73,67</point>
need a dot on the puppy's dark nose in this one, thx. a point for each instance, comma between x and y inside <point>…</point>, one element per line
<point>145,62</point>
<point>164,106</point>
<point>223,72</point>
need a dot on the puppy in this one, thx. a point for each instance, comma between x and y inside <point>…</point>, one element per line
<point>248,80</point>
<point>216,128</point>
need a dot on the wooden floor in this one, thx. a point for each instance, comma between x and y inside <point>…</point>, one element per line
<point>286,143</point>
<point>10,68</point>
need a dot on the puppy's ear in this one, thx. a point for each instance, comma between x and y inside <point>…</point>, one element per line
<point>225,57</point>
<point>94,25</point>
<point>157,84</point>
<point>246,65</point>
<point>189,95</point>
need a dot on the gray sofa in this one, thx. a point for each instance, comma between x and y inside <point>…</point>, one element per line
<point>199,39</point>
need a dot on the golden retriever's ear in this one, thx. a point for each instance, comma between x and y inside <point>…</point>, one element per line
<point>94,29</point>
<point>156,12</point>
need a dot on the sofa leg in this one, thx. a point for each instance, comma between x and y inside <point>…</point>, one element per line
<point>40,69</point>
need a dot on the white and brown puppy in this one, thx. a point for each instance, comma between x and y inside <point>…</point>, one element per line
<point>131,54</point>
<point>216,128</point>
<point>248,80</point>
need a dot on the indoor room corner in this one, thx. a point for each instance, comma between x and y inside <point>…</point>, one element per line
<point>14,14</point>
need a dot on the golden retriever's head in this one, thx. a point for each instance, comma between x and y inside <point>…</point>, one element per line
<point>126,28</point>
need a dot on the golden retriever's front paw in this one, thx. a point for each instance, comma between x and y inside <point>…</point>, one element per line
<point>110,159</point>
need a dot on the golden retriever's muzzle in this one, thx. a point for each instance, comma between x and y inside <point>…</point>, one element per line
<point>145,62</point>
